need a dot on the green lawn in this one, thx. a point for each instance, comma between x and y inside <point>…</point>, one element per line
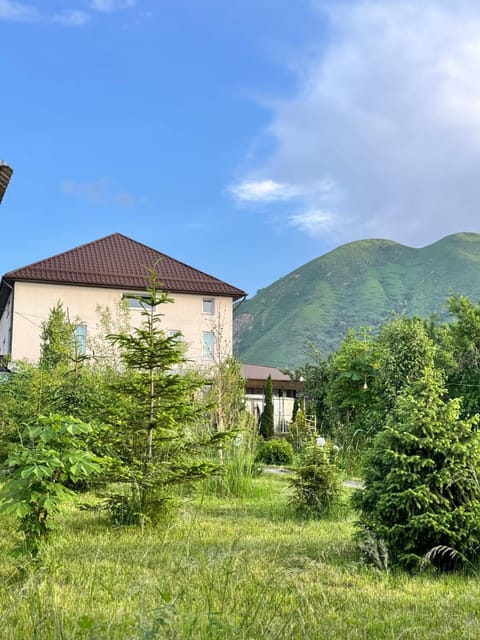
<point>224,569</point>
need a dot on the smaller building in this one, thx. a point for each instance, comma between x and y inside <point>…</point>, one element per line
<point>285,390</point>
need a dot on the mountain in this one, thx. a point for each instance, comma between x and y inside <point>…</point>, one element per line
<point>358,284</point>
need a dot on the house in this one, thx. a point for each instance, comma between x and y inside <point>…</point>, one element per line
<point>285,390</point>
<point>98,275</point>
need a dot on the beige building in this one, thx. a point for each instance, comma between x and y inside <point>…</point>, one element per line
<point>98,275</point>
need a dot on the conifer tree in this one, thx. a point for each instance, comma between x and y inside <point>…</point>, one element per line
<point>57,339</point>
<point>66,384</point>
<point>267,424</point>
<point>421,491</point>
<point>163,407</point>
<point>296,407</point>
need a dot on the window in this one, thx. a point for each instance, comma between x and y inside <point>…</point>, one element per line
<point>208,345</point>
<point>80,333</point>
<point>283,425</point>
<point>209,306</point>
<point>177,334</point>
<point>206,390</point>
<point>139,302</point>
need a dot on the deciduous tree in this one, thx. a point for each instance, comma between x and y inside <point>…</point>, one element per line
<point>51,453</point>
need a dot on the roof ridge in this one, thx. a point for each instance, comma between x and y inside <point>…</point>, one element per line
<point>165,255</point>
<point>63,253</point>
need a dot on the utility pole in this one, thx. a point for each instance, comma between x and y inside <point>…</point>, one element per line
<point>5,175</point>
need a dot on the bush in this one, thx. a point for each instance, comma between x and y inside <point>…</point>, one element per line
<point>317,485</point>
<point>275,452</point>
<point>48,455</point>
<point>421,490</point>
<point>133,507</point>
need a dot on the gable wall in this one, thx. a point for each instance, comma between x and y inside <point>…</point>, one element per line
<point>33,302</point>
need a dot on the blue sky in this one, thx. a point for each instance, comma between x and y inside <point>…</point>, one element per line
<point>243,138</point>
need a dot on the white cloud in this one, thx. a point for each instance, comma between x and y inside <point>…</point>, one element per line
<point>14,11</point>
<point>389,111</point>
<point>109,6</point>
<point>271,191</point>
<point>72,18</point>
<point>94,191</point>
<point>124,199</point>
<point>98,191</point>
<point>17,11</point>
<point>313,223</point>
<point>264,191</point>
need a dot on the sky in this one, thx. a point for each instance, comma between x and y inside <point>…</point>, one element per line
<point>242,137</point>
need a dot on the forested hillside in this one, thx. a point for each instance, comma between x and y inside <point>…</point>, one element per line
<point>360,283</point>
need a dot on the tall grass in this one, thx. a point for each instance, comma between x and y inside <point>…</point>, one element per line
<point>238,467</point>
<point>226,569</point>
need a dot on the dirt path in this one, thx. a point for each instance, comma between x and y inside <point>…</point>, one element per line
<point>351,484</point>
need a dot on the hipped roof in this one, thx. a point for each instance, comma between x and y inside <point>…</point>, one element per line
<point>120,262</point>
<point>257,375</point>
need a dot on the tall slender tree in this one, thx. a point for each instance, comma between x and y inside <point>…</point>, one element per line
<point>267,423</point>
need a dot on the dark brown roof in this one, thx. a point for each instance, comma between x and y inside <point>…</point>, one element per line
<point>5,175</point>
<point>120,262</point>
<point>258,372</point>
<point>256,376</point>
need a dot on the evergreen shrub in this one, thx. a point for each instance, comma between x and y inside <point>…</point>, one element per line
<point>275,452</point>
<point>317,485</point>
<point>421,488</point>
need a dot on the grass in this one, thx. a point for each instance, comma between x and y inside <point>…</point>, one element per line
<point>225,569</point>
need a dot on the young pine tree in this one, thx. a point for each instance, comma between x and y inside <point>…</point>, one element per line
<point>65,384</point>
<point>317,484</point>
<point>267,425</point>
<point>421,491</point>
<point>57,339</point>
<point>162,408</point>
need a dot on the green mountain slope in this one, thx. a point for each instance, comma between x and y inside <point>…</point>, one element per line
<point>360,283</point>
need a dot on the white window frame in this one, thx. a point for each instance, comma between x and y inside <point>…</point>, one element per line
<point>177,334</point>
<point>80,334</point>
<point>208,345</point>
<point>208,306</point>
<point>134,304</point>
